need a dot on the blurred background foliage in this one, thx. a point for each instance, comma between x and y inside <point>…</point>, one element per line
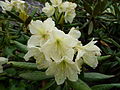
<point>95,18</point>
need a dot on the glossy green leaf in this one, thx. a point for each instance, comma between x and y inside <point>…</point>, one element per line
<point>96,76</point>
<point>8,51</point>
<point>79,85</point>
<point>118,54</point>
<point>114,42</point>
<point>25,65</point>
<point>20,46</point>
<point>105,86</point>
<point>36,75</point>
<point>90,28</point>
<point>102,58</point>
<point>118,59</point>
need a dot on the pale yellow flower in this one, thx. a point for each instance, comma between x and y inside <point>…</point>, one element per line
<point>19,5</point>
<point>59,45</point>
<point>63,70</point>
<point>39,57</point>
<point>88,54</point>
<point>69,9</point>
<point>32,51</point>
<point>48,9</point>
<point>69,16</point>
<point>41,31</point>
<point>67,6</point>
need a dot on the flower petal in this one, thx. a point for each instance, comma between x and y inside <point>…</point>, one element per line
<point>69,16</point>
<point>74,33</point>
<point>90,60</point>
<point>48,9</point>
<point>35,26</point>
<point>32,51</point>
<point>34,41</point>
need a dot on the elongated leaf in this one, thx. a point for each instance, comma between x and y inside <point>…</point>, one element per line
<point>9,51</point>
<point>114,42</point>
<point>84,25</point>
<point>116,9</point>
<point>118,54</point>
<point>102,58</point>
<point>79,85</point>
<point>90,28</point>
<point>36,75</point>
<point>105,86</point>
<point>24,65</point>
<point>118,59</point>
<point>96,76</point>
<point>20,46</point>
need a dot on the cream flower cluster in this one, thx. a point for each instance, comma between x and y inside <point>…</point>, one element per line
<point>19,5</point>
<point>66,8</point>
<point>61,54</point>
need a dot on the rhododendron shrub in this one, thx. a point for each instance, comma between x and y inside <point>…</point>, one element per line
<point>59,45</point>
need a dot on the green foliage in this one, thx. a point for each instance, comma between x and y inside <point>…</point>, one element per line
<point>23,65</point>
<point>96,76</point>
<point>36,75</point>
<point>105,86</point>
<point>79,85</point>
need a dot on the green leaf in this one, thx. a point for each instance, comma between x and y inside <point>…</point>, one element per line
<point>116,9</point>
<point>96,76</point>
<point>17,85</point>
<point>10,71</point>
<point>117,54</point>
<point>24,65</point>
<point>20,46</point>
<point>8,51</point>
<point>114,42</point>
<point>84,25</point>
<point>17,88</point>
<point>105,86</point>
<point>102,58</point>
<point>90,28</point>
<point>33,12</point>
<point>79,85</point>
<point>36,75</point>
<point>118,59</point>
